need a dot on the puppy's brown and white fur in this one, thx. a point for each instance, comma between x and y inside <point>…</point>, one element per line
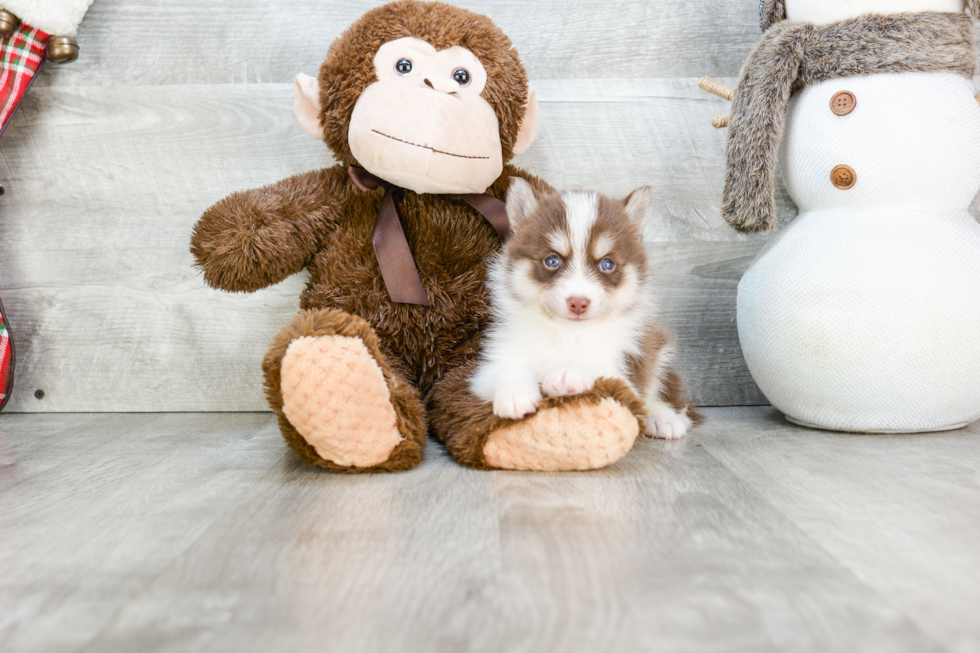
<point>572,302</point>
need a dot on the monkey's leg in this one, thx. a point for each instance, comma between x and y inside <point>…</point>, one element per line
<point>340,404</point>
<point>586,431</point>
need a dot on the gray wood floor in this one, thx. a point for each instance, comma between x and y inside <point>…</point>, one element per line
<point>201,532</point>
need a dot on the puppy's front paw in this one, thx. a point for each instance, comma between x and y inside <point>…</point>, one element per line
<point>568,381</point>
<point>664,422</point>
<point>516,401</point>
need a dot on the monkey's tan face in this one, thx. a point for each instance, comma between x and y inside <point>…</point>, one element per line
<point>424,125</point>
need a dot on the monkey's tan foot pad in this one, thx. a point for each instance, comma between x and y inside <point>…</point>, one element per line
<point>576,432</point>
<point>336,396</point>
<point>570,436</point>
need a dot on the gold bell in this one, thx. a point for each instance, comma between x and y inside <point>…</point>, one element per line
<point>8,23</point>
<point>62,49</point>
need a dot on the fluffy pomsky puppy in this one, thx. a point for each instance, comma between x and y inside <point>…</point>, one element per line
<point>572,302</point>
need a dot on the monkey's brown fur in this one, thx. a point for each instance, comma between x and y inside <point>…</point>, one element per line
<point>321,221</point>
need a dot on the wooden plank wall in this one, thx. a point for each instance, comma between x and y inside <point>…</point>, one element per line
<point>173,105</point>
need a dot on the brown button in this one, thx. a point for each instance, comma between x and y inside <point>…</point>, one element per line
<point>843,177</point>
<point>843,103</point>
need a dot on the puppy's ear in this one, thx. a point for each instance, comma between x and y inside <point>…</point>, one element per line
<point>521,202</point>
<point>639,206</point>
<point>307,104</point>
<point>974,8</point>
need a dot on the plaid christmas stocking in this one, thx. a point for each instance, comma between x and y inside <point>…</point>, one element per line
<point>6,360</point>
<point>21,57</point>
<point>30,32</point>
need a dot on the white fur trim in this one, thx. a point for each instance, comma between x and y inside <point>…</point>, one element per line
<point>56,17</point>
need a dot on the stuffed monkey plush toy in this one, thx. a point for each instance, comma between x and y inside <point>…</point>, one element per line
<point>863,314</point>
<point>422,104</point>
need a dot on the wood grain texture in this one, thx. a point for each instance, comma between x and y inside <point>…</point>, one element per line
<point>877,504</point>
<point>262,41</point>
<point>124,495</point>
<point>203,533</point>
<point>109,314</point>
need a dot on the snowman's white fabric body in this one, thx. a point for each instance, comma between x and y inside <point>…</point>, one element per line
<point>864,313</point>
<point>828,11</point>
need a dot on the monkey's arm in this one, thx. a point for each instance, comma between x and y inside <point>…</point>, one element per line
<point>256,238</point>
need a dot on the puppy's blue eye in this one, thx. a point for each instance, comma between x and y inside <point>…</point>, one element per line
<point>552,262</point>
<point>404,66</point>
<point>607,265</point>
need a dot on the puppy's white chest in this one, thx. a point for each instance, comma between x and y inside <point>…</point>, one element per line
<point>600,350</point>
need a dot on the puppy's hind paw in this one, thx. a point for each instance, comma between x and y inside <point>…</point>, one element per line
<point>664,422</point>
<point>516,402</point>
<point>568,381</point>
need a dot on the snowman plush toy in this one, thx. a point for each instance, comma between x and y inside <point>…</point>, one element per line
<point>863,314</point>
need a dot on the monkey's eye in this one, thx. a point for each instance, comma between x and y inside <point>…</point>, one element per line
<point>462,76</point>
<point>553,262</point>
<point>607,265</point>
<point>403,67</point>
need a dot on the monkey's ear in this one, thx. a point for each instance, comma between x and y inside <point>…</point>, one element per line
<point>529,126</point>
<point>521,201</point>
<point>639,206</point>
<point>307,104</point>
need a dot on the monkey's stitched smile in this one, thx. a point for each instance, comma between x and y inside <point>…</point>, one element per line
<point>426,147</point>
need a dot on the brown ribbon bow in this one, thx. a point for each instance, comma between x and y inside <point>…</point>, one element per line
<point>398,269</point>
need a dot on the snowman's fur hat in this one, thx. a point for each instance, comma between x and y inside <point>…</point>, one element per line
<point>773,11</point>
<point>793,55</point>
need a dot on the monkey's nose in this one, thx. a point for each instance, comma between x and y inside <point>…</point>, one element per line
<point>578,305</point>
<point>441,84</point>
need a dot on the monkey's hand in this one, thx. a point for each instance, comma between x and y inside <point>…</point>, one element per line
<point>256,238</point>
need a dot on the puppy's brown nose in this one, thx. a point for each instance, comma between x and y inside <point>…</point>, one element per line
<point>578,305</point>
